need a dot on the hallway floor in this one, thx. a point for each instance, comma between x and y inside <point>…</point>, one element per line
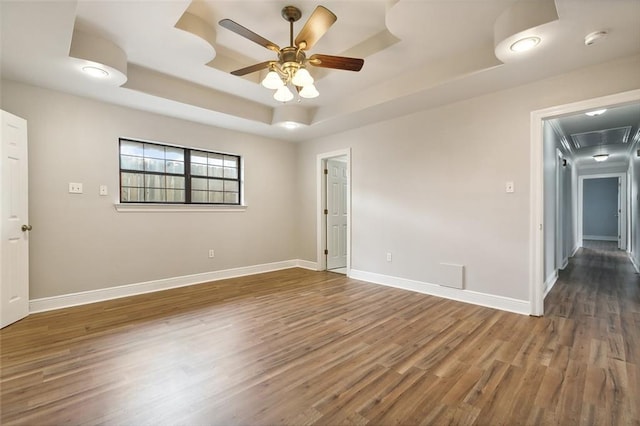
<point>596,304</point>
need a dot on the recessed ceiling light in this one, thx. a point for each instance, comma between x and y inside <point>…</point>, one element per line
<point>600,157</point>
<point>290,125</point>
<point>525,44</point>
<point>596,112</point>
<point>95,72</point>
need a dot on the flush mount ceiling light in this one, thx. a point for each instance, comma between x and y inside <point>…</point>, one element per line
<point>596,112</point>
<point>95,72</point>
<point>525,44</point>
<point>600,157</point>
<point>289,73</point>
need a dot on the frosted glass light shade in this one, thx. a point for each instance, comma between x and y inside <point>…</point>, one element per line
<point>309,91</point>
<point>600,157</point>
<point>302,78</point>
<point>283,94</point>
<point>272,80</point>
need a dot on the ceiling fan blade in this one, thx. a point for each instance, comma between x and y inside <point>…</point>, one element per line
<point>315,27</point>
<point>252,68</point>
<point>337,62</point>
<point>248,34</point>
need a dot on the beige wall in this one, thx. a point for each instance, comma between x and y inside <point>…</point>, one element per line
<point>429,187</point>
<point>80,242</point>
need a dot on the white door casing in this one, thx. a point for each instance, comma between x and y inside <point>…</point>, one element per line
<point>14,225</point>
<point>622,209</point>
<point>321,203</point>
<point>622,232</point>
<point>337,218</point>
<point>536,222</point>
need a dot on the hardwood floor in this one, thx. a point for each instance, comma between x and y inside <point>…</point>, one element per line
<point>307,348</point>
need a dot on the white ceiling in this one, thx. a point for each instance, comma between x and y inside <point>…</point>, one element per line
<point>615,132</point>
<point>418,54</point>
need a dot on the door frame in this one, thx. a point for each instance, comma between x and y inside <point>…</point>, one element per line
<point>536,195</point>
<point>622,199</point>
<point>321,194</point>
<point>559,222</point>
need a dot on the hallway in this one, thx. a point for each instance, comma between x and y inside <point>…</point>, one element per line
<point>596,306</point>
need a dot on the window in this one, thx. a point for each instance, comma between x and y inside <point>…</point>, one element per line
<point>155,173</point>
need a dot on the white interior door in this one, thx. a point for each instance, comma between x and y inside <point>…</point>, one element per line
<point>14,224</point>
<point>337,215</point>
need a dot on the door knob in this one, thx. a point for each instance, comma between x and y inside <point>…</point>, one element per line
<point>26,228</point>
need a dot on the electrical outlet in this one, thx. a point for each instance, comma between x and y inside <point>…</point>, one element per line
<point>75,188</point>
<point>212,254</point>
<point>389,257</point>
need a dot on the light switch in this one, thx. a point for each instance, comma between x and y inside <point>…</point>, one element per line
<point>75,188</point>
<point>103,190</point>
<point>510,187</point>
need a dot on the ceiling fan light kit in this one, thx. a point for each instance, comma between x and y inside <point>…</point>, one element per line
<point>291,67</point>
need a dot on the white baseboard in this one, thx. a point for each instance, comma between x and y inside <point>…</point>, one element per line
<point>599,238</point>
<point>92,296</point>
<point>575,250</point>
<point>549,283</point>
<point>306,264</point>
<point>634,262</point>
<point>461,295</point>
<point>565,263</point>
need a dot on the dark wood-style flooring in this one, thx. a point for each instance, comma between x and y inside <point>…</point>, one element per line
<point>317,348</point>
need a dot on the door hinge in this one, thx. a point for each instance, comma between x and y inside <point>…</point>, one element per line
<point>326,251</point>
<point>326,211</point>
<point>326,171</point>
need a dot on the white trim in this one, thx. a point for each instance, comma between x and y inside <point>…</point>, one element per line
<point>154,207</point>
<point>320,223</point>
<point>622,221</point>
<point>575,250</point>
<point>306,264</point>
<point>634,263</point>
<point>565,263</point>
<point>100,295</point>
<point>536,237</point>
<point>467,296</point>
<point>599,238</point>
<point>550,282</point>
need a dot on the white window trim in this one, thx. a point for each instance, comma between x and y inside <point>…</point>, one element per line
<point>158,207</point>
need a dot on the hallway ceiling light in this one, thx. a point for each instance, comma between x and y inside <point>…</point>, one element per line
<point>525,44</point>
<point>600,157</point>
<point>596,112</point>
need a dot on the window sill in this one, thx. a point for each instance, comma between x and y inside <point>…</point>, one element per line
<point>133,207</point>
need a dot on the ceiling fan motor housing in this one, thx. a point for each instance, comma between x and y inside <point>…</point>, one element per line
<point>291,59</point>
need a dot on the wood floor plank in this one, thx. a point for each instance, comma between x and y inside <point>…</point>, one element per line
<point>297,347</point>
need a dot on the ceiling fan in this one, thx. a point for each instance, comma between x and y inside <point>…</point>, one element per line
<point>290,67</point>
